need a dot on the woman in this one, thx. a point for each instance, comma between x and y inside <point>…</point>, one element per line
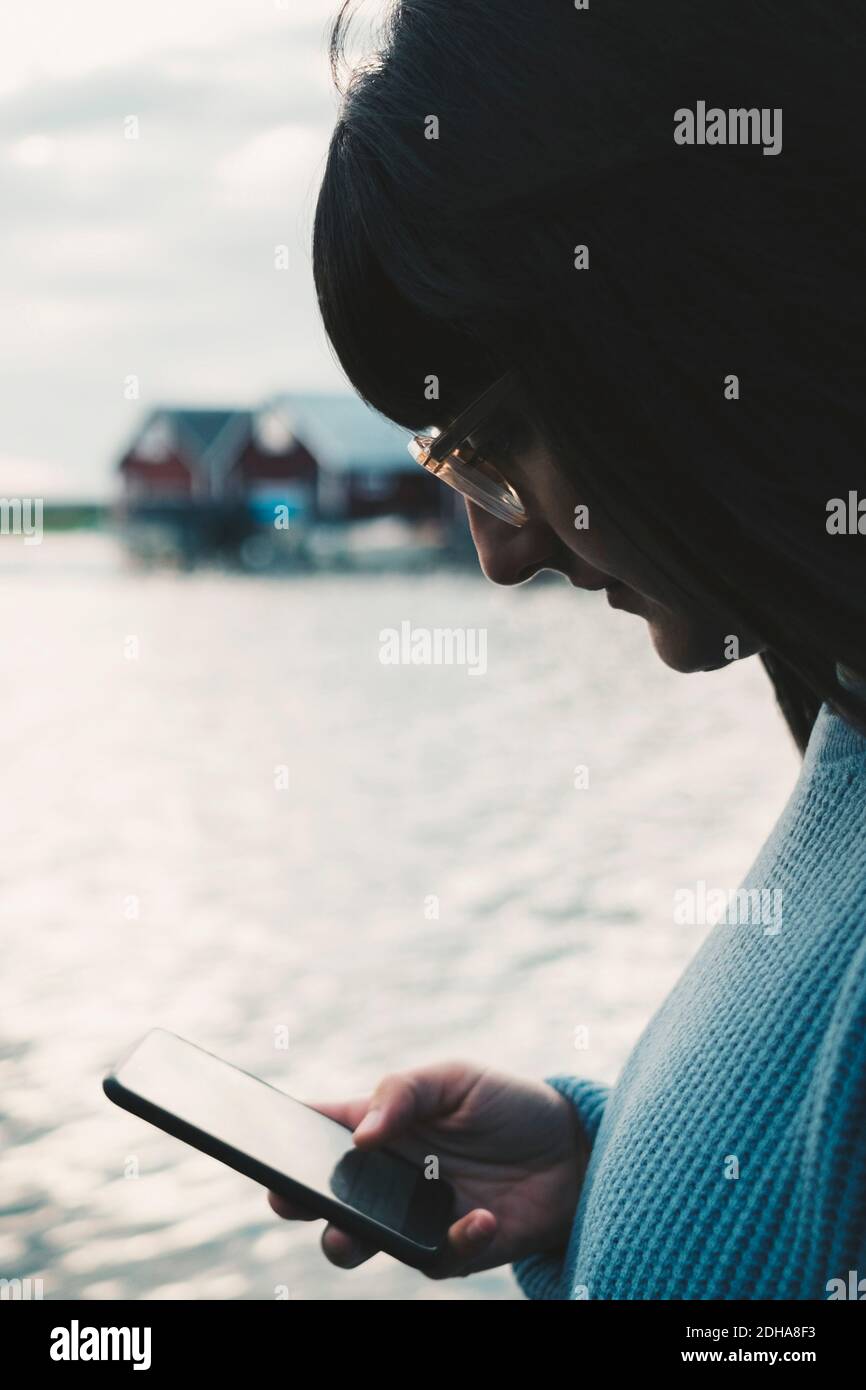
<point>610,253</point>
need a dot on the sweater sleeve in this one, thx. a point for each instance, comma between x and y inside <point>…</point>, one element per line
<point>835,1149</point>
<point>541,1276</point>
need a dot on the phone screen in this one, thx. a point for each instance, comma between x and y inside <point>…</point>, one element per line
<point>255,1120</point>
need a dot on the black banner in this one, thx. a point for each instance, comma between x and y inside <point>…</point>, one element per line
<point>156,1338</point>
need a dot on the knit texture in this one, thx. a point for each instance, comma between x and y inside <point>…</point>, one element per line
<point>729,1160</point>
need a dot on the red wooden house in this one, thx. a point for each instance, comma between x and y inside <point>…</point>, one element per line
<point>364,469</point>
<point>215,479</point>
<point>203,458</point>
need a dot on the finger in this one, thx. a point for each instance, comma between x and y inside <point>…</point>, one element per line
<point>289,1210</point>
<point>345,1112</point>
<point>343,1250</point>
<point>469,1237</point>
<point>470,1243</point>
<point>404,1099</point>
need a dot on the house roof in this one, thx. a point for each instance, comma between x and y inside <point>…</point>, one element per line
<point>338,429</point>
<point>344,434</point>
<point>209,439</point>
<point>203,429</point>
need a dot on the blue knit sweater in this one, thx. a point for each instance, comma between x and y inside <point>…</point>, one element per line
<point>729,1160</point>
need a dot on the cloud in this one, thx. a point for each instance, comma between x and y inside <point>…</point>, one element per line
<point>45,41</point>
<point>256,173</point>
<point>155,255</point>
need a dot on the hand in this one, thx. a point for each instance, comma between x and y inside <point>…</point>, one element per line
<point>514,1151</point>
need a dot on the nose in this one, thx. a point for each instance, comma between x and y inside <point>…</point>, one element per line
<point>513,554</point>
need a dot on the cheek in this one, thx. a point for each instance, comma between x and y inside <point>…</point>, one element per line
<point>595,541</point>
<point>685,641</point>
<point>589,543</point>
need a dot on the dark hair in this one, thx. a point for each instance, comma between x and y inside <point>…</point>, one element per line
<point>456,257</point>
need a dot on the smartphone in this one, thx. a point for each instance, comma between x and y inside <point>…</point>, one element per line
<point>378,1196</point>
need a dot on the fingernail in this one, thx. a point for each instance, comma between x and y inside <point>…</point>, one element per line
<point>369,1123</point>
<point>478,1230</point>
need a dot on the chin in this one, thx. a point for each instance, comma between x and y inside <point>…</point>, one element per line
<point>687,651</point>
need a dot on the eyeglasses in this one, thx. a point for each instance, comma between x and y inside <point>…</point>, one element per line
<point>461,455</point>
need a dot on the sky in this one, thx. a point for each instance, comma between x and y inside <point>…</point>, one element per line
<point>148,264</point>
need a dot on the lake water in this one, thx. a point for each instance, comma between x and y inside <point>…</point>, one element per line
<point>222,814</point>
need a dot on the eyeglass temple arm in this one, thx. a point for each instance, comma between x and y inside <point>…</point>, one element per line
<point>473,415</point>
